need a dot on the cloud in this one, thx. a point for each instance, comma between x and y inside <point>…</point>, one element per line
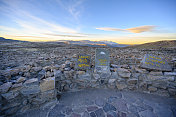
<point>73,7</point>
<point>139,29</point>
<point>50,34</point>
<point>26,24</point>
<point>110,29</point>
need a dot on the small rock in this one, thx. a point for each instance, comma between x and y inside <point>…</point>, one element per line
<point>100,102</point>
<point>114,66</point>
<point>109,107</point>
<point>92,108</point>
<point>80,72</point>
<point>100,113</point>
<point>20,79</point>
<point>31,81</point>
<point>121,85</point>
<point>75,115</point>
<point>147,113</point>
<point>5,87</point>
<point>96,76</point>
<point>85,114</point>
<point>92,114</point>
<point>111,81</point>
<point>37,69</point>
<point>112,114</point>
<point>16,86</point>
<point>156,73</point>
<point>170,73</point>
<point>10,95</point>
<point>132,81</point>
<point>152,89</point>
<point>123,73</point>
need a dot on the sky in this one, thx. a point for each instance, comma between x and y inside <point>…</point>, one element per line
<point>121,21</point>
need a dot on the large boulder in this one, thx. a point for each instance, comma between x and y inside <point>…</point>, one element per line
<point>5,87</point>
<point>124,73</point>
<point>47,84</point>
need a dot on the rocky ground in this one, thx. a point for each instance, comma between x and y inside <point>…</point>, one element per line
<point>107,103</point>
<point>32,73</point>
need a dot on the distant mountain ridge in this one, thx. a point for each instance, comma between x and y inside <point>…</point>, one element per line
<point>94,43</point>
<point>156,45</point>
<point>2,39</point>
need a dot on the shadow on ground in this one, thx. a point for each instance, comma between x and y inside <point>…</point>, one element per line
<point>106,103</point>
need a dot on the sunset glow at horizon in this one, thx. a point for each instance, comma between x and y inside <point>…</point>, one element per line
<point>121,21</point>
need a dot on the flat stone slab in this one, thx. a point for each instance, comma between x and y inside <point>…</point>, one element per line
<point>128,104</point>
<point>154,62</point>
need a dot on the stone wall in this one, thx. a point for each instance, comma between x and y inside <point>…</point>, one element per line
<point>24,93</point>
<point>121,77</point>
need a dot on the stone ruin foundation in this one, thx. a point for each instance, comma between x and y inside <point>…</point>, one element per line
<point>27,94</point>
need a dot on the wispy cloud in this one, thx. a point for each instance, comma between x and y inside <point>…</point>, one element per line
<point>139,29</point>
<point>30,25</point>
<point>50,34</point>
<point>73,7</point>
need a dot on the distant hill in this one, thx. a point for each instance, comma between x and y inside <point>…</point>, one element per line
<point>94,43</point>
<point>156,45</point>
<point>2,39</point>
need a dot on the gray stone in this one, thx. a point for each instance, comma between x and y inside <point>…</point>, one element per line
<point>120,105</point>
<point>112,114</point>
<point>99,113</point>
<point>28,90</point>
<point>79,109</point>
<point>114,75</point>
<point>163,111</point>
<point>124,73</point>
<point>132,81</point>
<point>85,114</point>
<point>16,86</point>
<point>155,73</point>
<point>47,84</point>
<point>160,84</point>
<point>100,102</point>
<point>139,70</point>
<point>91,108</point>
<point>121,85</point>
<point>114,66</point>
<point>84,76</point>
<point>154,62</point>
<point>152,89</point>
<point>11,111</point>
<point>148,113</point>
<point>112,99</point>
<point>172,92</point>
<point>57,74</point>
<point>92,114</point>
<point>80,72</point>
<point>83,62</point>
<point>170,73</point>
<point>5,87</point>
<point>89,102</point>
<point>163,93</point>
<point>96,76</point>
<point>20,79</point>
<point>33,81</point>
<point>109,107</point>
<point>102,61</point>
<point>67,110</point>
<point>10,95</point>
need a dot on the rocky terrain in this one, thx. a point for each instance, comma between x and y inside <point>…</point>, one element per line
<point>33,73</point>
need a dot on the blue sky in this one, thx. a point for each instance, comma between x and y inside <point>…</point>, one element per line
<point>121,21</point>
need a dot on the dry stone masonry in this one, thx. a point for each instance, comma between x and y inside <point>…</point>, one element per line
<point>33,85</point>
